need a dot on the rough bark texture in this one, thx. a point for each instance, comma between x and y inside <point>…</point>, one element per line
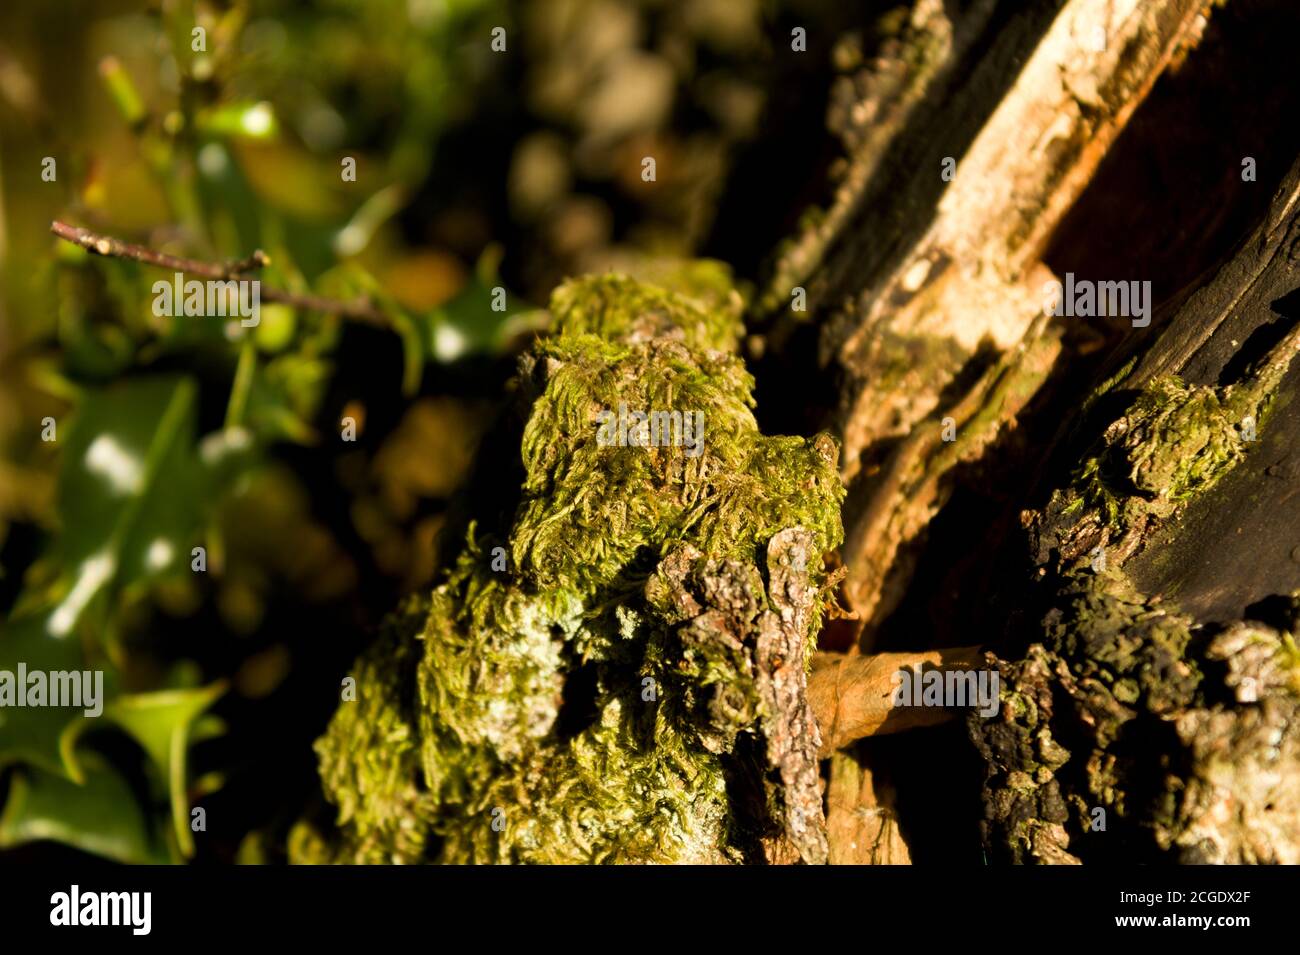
<point>969,137</point>
<point>919,277</point>
<point>1163,689</point>
<point>790,728</point>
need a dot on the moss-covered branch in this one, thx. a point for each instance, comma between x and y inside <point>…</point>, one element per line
<point>623,677</point>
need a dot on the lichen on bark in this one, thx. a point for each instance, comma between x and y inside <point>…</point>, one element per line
<point>631,687</point>
<point>1131,730</point>
<point>1188,762</point>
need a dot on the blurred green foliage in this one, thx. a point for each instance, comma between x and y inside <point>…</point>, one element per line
<point>206,130</point>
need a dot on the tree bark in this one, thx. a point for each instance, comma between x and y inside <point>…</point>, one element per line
<point>1153,715</point>
<point>928,263</point>
<point>970,137</point>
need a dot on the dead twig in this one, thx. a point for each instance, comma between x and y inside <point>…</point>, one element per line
<point>360,309</point>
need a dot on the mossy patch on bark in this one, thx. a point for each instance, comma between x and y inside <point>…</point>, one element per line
<point>1175,441</point>
<point>622,680</point>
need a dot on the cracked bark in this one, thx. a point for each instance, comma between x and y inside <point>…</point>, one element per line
<point>790,728</point>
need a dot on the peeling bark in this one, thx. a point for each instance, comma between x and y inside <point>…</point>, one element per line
<point>928,288</point>
<point>789,727</point>
<point>912,274</point>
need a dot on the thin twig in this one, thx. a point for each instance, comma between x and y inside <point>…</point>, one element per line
<point>360,309</point>
<point>116,248</point>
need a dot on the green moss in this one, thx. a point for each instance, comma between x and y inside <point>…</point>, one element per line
<point>1289,657</point>
<point>370,756</point>
<point>620,309</point>
<point>1119,674</point>
<point>1175,441</point>
<point>593,701</point>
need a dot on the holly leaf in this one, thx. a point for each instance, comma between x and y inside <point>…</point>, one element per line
<point>163,723</point>
<point>128,494</point>
<point>40,735</point>
<point>101,815</point>
<point>477,321</point>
